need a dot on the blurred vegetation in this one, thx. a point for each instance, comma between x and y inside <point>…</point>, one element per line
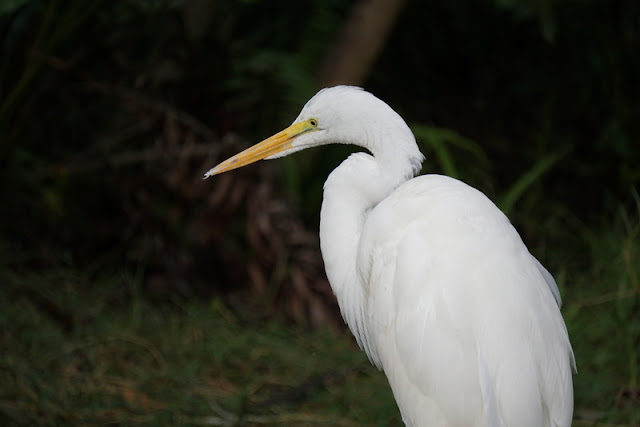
<point>123,271</point>
<point>177,363</point>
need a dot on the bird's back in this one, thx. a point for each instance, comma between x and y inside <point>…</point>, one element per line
<point>463,318</point>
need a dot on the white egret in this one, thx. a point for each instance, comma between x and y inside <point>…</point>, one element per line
<point>433,280</point>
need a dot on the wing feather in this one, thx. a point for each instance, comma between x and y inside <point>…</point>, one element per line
<point>463,316</point>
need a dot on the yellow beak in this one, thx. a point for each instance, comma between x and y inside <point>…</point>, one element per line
<point>270,146</point>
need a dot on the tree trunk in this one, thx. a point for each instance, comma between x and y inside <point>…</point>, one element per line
<point>360,42</point>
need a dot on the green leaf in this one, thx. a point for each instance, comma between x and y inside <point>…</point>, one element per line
<point>527,180</point>
<point>441,140</point>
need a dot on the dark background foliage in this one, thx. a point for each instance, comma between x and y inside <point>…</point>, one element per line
<point>96,95</point>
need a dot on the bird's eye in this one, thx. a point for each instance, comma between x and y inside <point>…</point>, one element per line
<point>313,122</point>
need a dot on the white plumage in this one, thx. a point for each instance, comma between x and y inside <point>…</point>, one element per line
<point>433,280</point>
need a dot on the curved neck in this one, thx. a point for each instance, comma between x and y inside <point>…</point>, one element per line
<point>350,193</point>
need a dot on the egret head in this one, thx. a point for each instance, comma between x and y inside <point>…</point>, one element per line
<point>336,115</point>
